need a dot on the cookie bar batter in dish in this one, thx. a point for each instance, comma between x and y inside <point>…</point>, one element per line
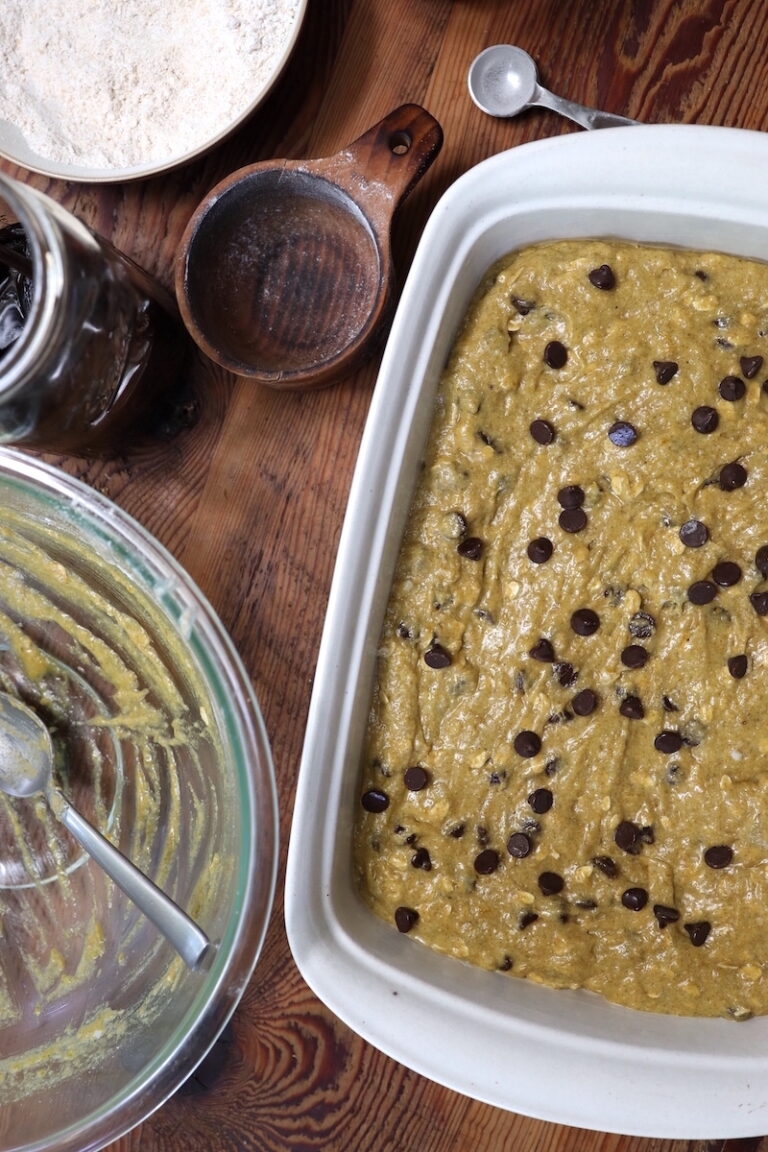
<point>566,769</point>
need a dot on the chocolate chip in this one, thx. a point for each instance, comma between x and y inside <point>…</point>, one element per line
<point>737,666</point>
<point>732,388</point>
<point>405,918</point>
<point>622,434</point>
<point>572,519</point>
<point>585,622</point>
<point>542,650</point>
<point>761,560</point>
<point>726,573</point>
<point>698,932</point>
<point>632,708</point>
<point>694,534</point>
<point>759,601</point>
<point>555,354</point>
<point>628,836</point>
<point>374,800</point>
<point>416,778</point>
<point>603,277</point>
<point>421,859</point>
<point>505,964</point>
<point>668,742</point>
<point>634,656</point>
<point>665,370</point>
<point>550,883</point>
<point>486,861</point>
<point>635,899</point>
<point>541,800</point>
<point>543,432</point>
<point>718,856</point>
<point>607,865</point>
<point>641,625</point>
<point>471,548</point>
<point>584,702</point>
<point>566,674</point>
<point>457,831</point>
<point>732,476</point>
<point>522,306</point>
<point>527,918</point>
<point>437,657</point>
<point>702,592</point>
<point>705,419</point>
<point>665,915</point>
<point>751,365</point>
<point>668,705</point>
<point>571,496</point>
<point>527,744</point>
<point>540,550</point>
<point>519,845</point>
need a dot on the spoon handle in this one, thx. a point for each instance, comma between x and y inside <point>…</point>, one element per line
<point>579,113</point>
<point>187,938</point>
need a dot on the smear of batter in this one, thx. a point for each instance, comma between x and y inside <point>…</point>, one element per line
<point>80,968</point>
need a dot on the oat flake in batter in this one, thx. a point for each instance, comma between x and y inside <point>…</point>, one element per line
<point>566,771</point>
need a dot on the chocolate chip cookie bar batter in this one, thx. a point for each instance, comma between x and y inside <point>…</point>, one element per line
<point>566,769</point>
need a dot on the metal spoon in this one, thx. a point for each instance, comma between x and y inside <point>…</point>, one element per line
<point>503,81</point>
<point>26,767</point>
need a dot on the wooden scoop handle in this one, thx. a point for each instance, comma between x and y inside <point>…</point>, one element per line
<point>380,168</point>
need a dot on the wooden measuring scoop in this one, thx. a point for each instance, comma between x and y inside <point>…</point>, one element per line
<point>285,269</point>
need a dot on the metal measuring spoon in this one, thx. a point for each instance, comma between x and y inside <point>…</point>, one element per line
<point>503,81</point>
<point>26,767</point>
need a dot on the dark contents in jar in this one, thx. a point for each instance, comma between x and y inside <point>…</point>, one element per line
<point>16,288</point>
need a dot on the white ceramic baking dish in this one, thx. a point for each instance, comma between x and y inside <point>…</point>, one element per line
<point>563,1056</point>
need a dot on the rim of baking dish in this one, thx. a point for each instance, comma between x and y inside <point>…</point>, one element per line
<point>563,1056</point>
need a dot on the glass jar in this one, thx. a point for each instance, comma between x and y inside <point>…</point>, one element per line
<point>90,345</point>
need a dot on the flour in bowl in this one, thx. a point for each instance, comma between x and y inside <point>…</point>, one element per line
<point>123,83</point>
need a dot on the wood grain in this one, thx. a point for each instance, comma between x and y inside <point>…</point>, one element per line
<point>250,496</point>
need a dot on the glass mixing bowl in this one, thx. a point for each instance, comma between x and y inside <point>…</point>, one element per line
<point>160,743</point>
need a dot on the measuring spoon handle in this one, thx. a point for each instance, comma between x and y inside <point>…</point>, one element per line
<point>180,930</point>
<point>579,113</point>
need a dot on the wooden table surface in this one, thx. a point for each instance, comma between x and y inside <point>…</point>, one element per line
<point>250,497</point>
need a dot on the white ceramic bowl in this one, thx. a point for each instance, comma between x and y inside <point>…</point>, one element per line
<point>563,1056</point>
<point>17,149</point>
